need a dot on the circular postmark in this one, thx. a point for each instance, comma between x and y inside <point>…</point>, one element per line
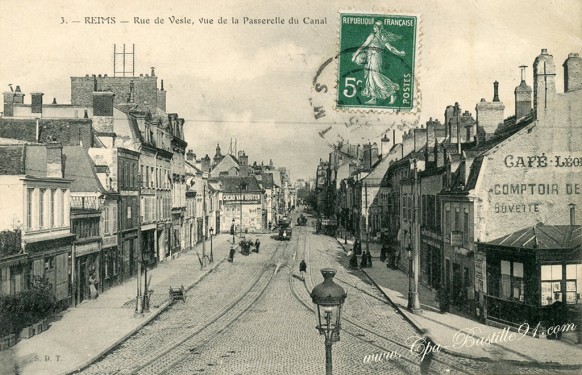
<point>369,87</point>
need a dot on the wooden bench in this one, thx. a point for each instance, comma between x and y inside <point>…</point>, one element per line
<point>176,294</point>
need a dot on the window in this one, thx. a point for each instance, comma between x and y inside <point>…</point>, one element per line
<point>447,223</point>
<point>151,178</point>
<point>466,228</point>
<point>41,208</point>
<point>145,177</point>
<point>62,208</point>
<point>457,219</point>
<point>512,285</point>
<point>53,204</point>
<point>106,228</point>
<point>114,219</point>
<point>573,283</point>
<point>551,284</point>
<point>29,197</point>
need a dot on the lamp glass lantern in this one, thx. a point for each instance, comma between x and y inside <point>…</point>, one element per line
<point>329,298</point>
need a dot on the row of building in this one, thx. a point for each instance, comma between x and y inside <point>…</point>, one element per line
<point>106,183</point>
<point>487,202</point>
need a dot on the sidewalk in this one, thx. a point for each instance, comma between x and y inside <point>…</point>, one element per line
<point>87,331</point>
<point>460,335</point>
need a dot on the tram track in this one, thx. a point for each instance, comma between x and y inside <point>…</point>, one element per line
<point>369,335</point>
<point>195,336</point>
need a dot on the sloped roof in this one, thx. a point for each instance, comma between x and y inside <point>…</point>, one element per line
<point>267,180</point>
<point>231,184</point>
<point>79,168</point>
<point>12,159</point>
<point>548,237</point>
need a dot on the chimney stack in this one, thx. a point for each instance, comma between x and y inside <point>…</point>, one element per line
<point>544,71</point>
<point>36,102</point>
<point>495,91</point>
<point>573,72</point>
<point>522,97</point>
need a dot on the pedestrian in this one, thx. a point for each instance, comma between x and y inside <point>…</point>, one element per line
<point>364,261</point>
<point>257,245</point>
<point>383,253</point>
<point>354,260</point>
<point>369,258</point>
<point>427,348</point>
<point>93,285</point>
<point>231,254</point>
<point>303,269</point>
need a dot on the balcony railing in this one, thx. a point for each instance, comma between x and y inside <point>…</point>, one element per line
<point>85,203</point>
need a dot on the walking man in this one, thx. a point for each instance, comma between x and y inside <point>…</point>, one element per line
<point>231,254</point>
<point>302,269</point>
<point>257,244</point>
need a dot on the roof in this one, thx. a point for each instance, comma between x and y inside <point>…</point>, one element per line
<point>13,157</point>
<point>79,168</point>
<point>540,236</point>
<point>478,151</point>
<point>67,131</point>
<point>231,184</point>
<point>267,180</point>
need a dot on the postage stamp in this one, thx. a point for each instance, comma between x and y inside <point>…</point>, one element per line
<point>377,61</point>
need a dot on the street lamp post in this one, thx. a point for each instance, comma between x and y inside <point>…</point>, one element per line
<point>242,187</point>
<point>211,254</point>
<point>414,270</point>
<point>329,298</point>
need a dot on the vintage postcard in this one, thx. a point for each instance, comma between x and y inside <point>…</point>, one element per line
<point>308,187</point>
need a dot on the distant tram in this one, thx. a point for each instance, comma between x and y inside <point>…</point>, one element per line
<point>285,230</point>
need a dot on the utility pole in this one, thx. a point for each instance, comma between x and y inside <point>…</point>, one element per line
<point>367,215</point>
<point>415,306</point>
<point>204,223</point>
<point>138,298</point>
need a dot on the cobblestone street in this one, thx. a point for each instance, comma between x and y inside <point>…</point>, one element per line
<point>255,316</point>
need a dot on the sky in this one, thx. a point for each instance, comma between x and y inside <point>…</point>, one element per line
<point>254,82</point>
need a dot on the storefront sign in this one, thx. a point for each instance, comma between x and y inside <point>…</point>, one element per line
<point>110,241</point>
<point>236,198</point>
<point>456,238</point>
<point>86,248</point>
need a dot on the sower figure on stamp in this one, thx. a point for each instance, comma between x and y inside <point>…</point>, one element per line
<point>377,86</point>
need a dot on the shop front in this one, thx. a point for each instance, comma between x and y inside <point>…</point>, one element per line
<point>110,262</point>
<point>534,275</point>
<point>88,268</point>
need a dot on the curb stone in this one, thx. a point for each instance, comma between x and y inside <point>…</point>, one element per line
<point>149,318</point>
<point>419,327</point>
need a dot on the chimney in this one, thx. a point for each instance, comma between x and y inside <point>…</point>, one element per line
<point>36,102</point>
<point>54,100</point>
<point>572,214</point>
<point>489,117</point>
<point>191,156</point>
<point>18,96</point>
<point>572,72</point>
<point>385,146</point>
<point>9,104</point>
<point>544,71</point>
<point>54,161</point>
<point>153,71</point>
<point>131,98</point>
<point>205,164</point>
<point>367,156</point>
<point>103,103</point>
<point>495,91</point>
<point>374,155</point>
<point>458,113</point>
<point>522,94</point>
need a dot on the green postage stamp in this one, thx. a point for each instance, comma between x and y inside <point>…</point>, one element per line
<point>377,56</point>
